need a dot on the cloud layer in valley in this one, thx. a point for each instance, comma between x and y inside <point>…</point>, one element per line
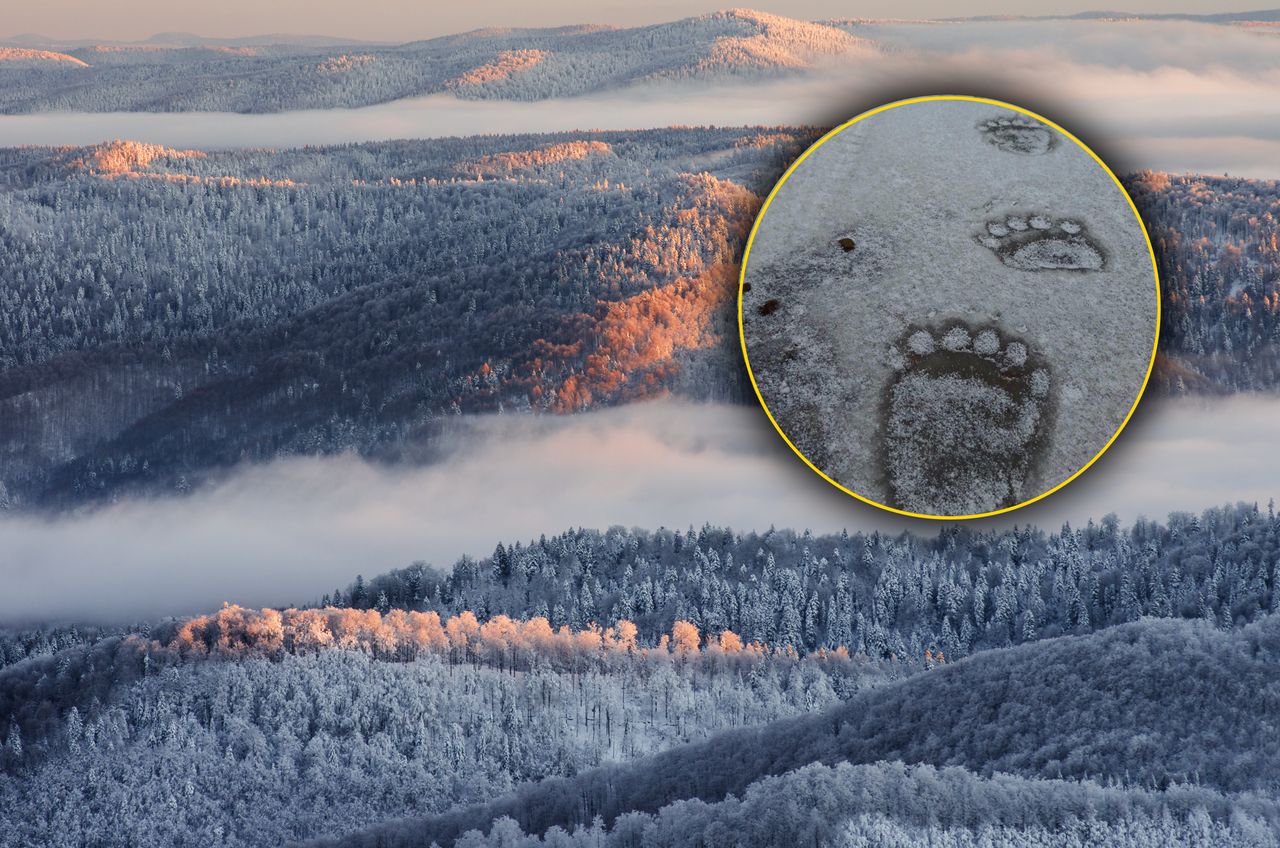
<point>1171,96</point>
<point>290,531</point>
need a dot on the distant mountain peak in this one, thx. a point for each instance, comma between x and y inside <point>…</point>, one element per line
<point>775,42</point>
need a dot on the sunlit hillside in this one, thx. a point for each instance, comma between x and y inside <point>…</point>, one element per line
<point>172,312</point>
<point>350,298</point>
<point>509,64</point>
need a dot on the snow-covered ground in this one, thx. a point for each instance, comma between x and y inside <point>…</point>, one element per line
<point>952,307</point>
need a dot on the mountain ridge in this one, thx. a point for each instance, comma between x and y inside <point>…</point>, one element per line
<point>627,246</point>
<point>31,39</point>
<point>179,73</point>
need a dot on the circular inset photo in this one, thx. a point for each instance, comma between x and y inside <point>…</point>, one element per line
<point>949,307</point>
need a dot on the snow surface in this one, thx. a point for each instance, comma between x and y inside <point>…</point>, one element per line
<point>955,226</point>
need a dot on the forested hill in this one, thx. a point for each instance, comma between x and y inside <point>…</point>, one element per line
<point>1112,686</point>
<point>498,63</point>
<point>248,727</point>
<point>955,593</point>
<point>166,312</point>
<point>1149,704</point>
<point>889,804</point>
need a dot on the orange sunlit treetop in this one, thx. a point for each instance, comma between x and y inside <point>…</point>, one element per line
<point>406,635</point>
<point>506,65</point>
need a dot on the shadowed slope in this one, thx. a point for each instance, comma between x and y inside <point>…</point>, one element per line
<point>1147,703</point>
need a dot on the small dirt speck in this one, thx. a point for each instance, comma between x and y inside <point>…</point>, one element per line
<point>768,307</point>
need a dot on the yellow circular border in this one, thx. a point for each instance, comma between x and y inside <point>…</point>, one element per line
<point>742,277</point>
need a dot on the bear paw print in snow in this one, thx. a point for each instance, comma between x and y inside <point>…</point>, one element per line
<point>1018,134</point>
<point>963,421</point>
<point>1038,243</point>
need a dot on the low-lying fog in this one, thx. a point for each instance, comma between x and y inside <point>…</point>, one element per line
<point>293,530</point>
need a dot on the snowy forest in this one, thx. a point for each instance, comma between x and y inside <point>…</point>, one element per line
<point>175,312</point>
<point>498,63</point>
<point>171,316</point>
<point>876,595</point>
<point>178,311</point>
<point>1217,240</point>
<point>686,688</point>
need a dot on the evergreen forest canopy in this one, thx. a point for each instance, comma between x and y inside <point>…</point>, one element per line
<point>244,306</point>
<point>905,597</point>
<point>1112,685</point>
<point>170,313</point>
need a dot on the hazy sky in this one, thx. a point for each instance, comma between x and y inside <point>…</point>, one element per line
<point>405,20</point>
